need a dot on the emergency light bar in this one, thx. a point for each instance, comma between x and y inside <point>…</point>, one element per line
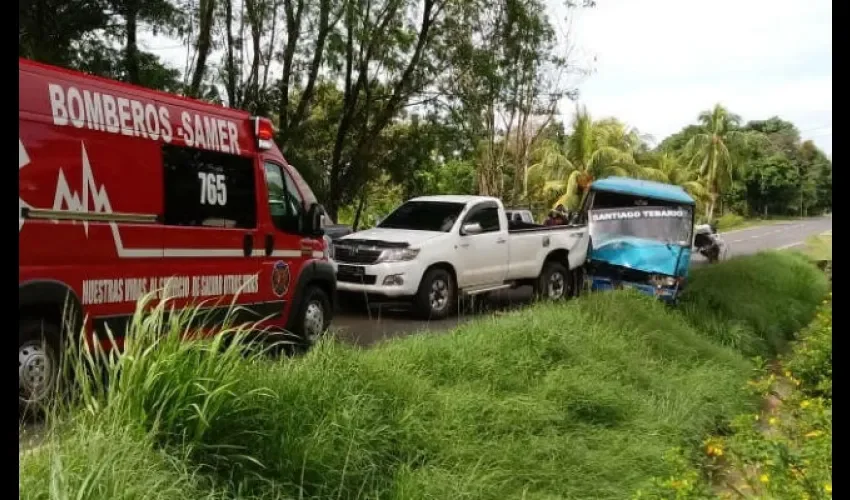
<point>263,132</point>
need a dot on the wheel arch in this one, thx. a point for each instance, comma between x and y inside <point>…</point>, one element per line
<point>444,265</point>
<point>314,273</point>
<point>51,300</point>
<point>560,255</point>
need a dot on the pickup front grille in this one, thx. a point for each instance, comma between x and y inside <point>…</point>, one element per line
<point>366,279</point>
<point>356,255</point>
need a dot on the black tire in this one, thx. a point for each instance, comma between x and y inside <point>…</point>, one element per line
<point>713,255</point>
<point>39,365</point>
<point>312,318</point>
<point>443,303</point>
<point>577,276</point>
<point>554,282</point>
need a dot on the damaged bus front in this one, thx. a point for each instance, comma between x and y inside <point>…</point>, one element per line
<point>641,236</point>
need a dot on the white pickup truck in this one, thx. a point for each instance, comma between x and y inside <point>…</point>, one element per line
<point>432,250</point>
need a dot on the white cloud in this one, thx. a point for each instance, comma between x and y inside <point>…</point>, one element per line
<point>661,62</point>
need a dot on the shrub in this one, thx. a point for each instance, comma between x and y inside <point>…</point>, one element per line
<point>728,221</point>
<point>811,358</point>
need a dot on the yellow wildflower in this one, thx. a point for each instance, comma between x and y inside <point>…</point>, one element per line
<point>805,404</point>
<point>787,373</point>
<point>764,478</point>
<point>772,421</point>
<point>814,434</point>
<point>827,488</point>
<point>714,450</point>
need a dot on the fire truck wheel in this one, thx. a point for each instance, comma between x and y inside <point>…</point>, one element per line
<point>313,316</point>
<point>38,364</point>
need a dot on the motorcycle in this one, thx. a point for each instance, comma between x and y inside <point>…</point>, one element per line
<point>709,243</point>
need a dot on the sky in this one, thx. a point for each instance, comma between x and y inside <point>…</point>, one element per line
<point>660,62</point>
<point>656,64</point>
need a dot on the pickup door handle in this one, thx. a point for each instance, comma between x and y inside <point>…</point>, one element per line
<point>247,245</point>
<point>269,245</point>
<point>501,240</point>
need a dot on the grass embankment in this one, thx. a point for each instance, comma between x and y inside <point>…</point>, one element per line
<point>785,449</point>
<point>818,248</point>
<point>556,401</point>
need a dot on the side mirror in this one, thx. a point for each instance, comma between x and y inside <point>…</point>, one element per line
<point>313,220</point>
<point>469,229</point>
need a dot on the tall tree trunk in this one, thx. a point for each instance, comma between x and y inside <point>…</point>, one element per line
<point>360,207</point>
<point>207,9</point>
<point>230,62</point>
<point>131,50</point>
<point>712,201</point>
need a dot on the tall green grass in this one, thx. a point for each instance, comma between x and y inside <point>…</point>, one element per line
<point>555,401</point>
<point>755,303</point>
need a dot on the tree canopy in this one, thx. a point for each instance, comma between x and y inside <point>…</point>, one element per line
<point>376,101</point>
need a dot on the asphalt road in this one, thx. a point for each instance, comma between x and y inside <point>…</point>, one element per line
<point>364,326</point>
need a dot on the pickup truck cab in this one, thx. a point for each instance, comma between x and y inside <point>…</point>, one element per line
<point>519,215</point>
<point>432,250</point>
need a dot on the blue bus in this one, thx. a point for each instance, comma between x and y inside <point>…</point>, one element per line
<point>641,236</point>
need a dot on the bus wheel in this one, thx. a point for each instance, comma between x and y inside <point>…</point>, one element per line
<point>38,364</point>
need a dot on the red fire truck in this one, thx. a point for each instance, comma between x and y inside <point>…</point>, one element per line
<point>124,191</point>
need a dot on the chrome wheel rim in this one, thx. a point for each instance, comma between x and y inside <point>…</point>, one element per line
<point>439,295</point>
<point>36,371</point>
<point>314,321</point>
<point>556,285</point>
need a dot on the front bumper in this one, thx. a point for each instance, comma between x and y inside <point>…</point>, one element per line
<point>388,279</point>
<point>666,294</point>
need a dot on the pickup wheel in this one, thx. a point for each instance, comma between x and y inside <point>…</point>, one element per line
<point>436,296</point>
<point>554,283</point>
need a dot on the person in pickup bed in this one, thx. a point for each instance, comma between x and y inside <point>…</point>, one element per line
<point>557,217</point>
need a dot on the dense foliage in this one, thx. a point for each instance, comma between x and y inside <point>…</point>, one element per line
<point>425,96</point>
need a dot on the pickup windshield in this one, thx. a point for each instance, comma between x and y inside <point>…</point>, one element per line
<point>665,224</point>
<point>435,216</point>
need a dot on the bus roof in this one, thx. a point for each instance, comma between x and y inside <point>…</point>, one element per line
<point>648,189</point>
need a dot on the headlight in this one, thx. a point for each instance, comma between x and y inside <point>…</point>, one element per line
<point>329,247</point>
<point>661,280</point>
<point>398,254</point>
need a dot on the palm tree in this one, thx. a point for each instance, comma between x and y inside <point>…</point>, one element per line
<point>714,150</point>
<point>593,150</point>
<point>666,167</point>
